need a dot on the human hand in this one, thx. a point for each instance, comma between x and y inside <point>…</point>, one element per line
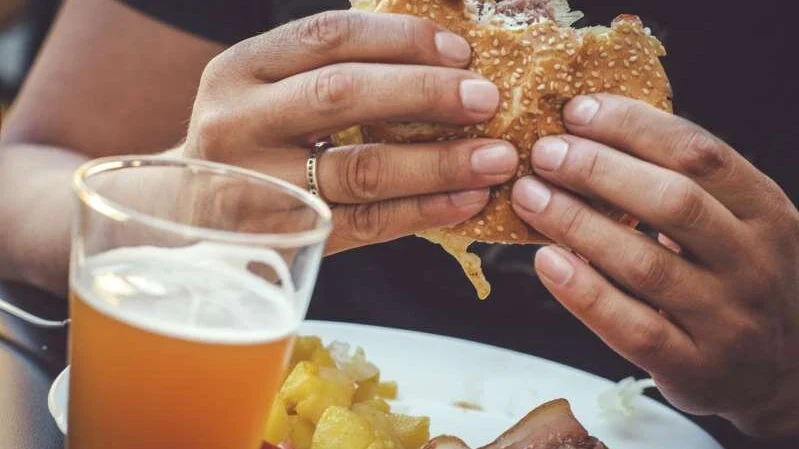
<point>264,102</point>
<point>712,314</point>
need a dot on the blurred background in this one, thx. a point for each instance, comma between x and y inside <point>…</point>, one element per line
<point>23,25</point>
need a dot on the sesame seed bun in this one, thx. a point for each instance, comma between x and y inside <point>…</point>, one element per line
<point>539,62</point>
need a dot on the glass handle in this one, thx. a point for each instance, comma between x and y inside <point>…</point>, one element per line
<point>30,318</point>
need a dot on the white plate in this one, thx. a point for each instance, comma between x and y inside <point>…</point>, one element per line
<point>436,372</point>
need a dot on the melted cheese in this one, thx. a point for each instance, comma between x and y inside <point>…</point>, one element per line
<point>458,247</point>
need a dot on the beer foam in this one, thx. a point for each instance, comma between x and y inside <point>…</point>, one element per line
<point>201,293</point>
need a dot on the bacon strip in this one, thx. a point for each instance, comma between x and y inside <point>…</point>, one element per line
<point>550,426</point>
<point>535,9</point>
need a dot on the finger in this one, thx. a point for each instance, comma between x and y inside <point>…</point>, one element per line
<point>631,328</point>
<point>666,200</point>
<point>373,172</point>
<point>366,224</point>
<point>339,96</point>
<point>639,264</point>
<point>346,36</point>
<point>671,142</point>
<point>364,174</point>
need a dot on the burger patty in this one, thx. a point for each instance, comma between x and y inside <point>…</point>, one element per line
<point>533,10</point>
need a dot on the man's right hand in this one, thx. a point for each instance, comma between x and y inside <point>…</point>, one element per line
<point>264,102</point>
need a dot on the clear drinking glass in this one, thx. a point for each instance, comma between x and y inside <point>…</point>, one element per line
<point>188,282</point>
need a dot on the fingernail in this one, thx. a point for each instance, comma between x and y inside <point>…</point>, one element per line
<point>453,47</point>
<point>581,110</point>
<point>495,159</point>
<point>531,195</point>
<point>549,153</point>
<point>469,197</point>
<point>479,96</point>
<point>552,265</point>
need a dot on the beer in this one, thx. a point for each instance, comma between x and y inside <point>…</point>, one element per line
<point>175,349</point>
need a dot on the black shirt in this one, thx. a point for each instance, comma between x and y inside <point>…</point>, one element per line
<point>732,72</point>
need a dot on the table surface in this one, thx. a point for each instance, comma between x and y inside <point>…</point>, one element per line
<point>30,358</point>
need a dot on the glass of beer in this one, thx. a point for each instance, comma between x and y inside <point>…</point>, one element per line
<point>188,282</point>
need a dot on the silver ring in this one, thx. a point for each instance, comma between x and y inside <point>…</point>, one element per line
<point>311,167</point>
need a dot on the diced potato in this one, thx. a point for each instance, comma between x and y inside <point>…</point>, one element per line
<point>367,389</point>
<point>412,431</point>
<point>302,381</point>
<point>377,418</point>
<point>277,426</point>
<point>377,444</point>
<point>310,390</point>
<point>321,357</point>
<point>387,390</point>
<point>324,405</point>
<point>377,404</point>
<point>301,434</point>
<point>304,348</point>
<point>381,423</point>
<point>340,428</point>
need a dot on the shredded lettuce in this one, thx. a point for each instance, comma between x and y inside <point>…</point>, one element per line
<point>620,399</point>
<point>355,366</point>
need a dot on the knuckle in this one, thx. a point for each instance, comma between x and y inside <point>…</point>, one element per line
<point>430,88</point>
<point>448,166</point>
<point>699,154</point>
<point>630,122</point>
<point>367,223</point>
<point>592,303</point>
<point>647,338</point>
<point>744,337</point>
<point>209,131</point>
<point>362,174</point>
<point>593,167</point>
<point>327,30</point>
<point>574,220</point>
<point>416,34</point>
<point>650,272</point>
<point>682,204</point>
<point>781,213</point>
<point>333,89</point>
<point>213,75</point>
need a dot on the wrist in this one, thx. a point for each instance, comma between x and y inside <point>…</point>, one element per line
<point>776,417</point>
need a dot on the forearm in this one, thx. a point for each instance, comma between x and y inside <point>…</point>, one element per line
<point>36,205</point>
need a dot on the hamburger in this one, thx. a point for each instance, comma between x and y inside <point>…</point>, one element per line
<point>539,61</point>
